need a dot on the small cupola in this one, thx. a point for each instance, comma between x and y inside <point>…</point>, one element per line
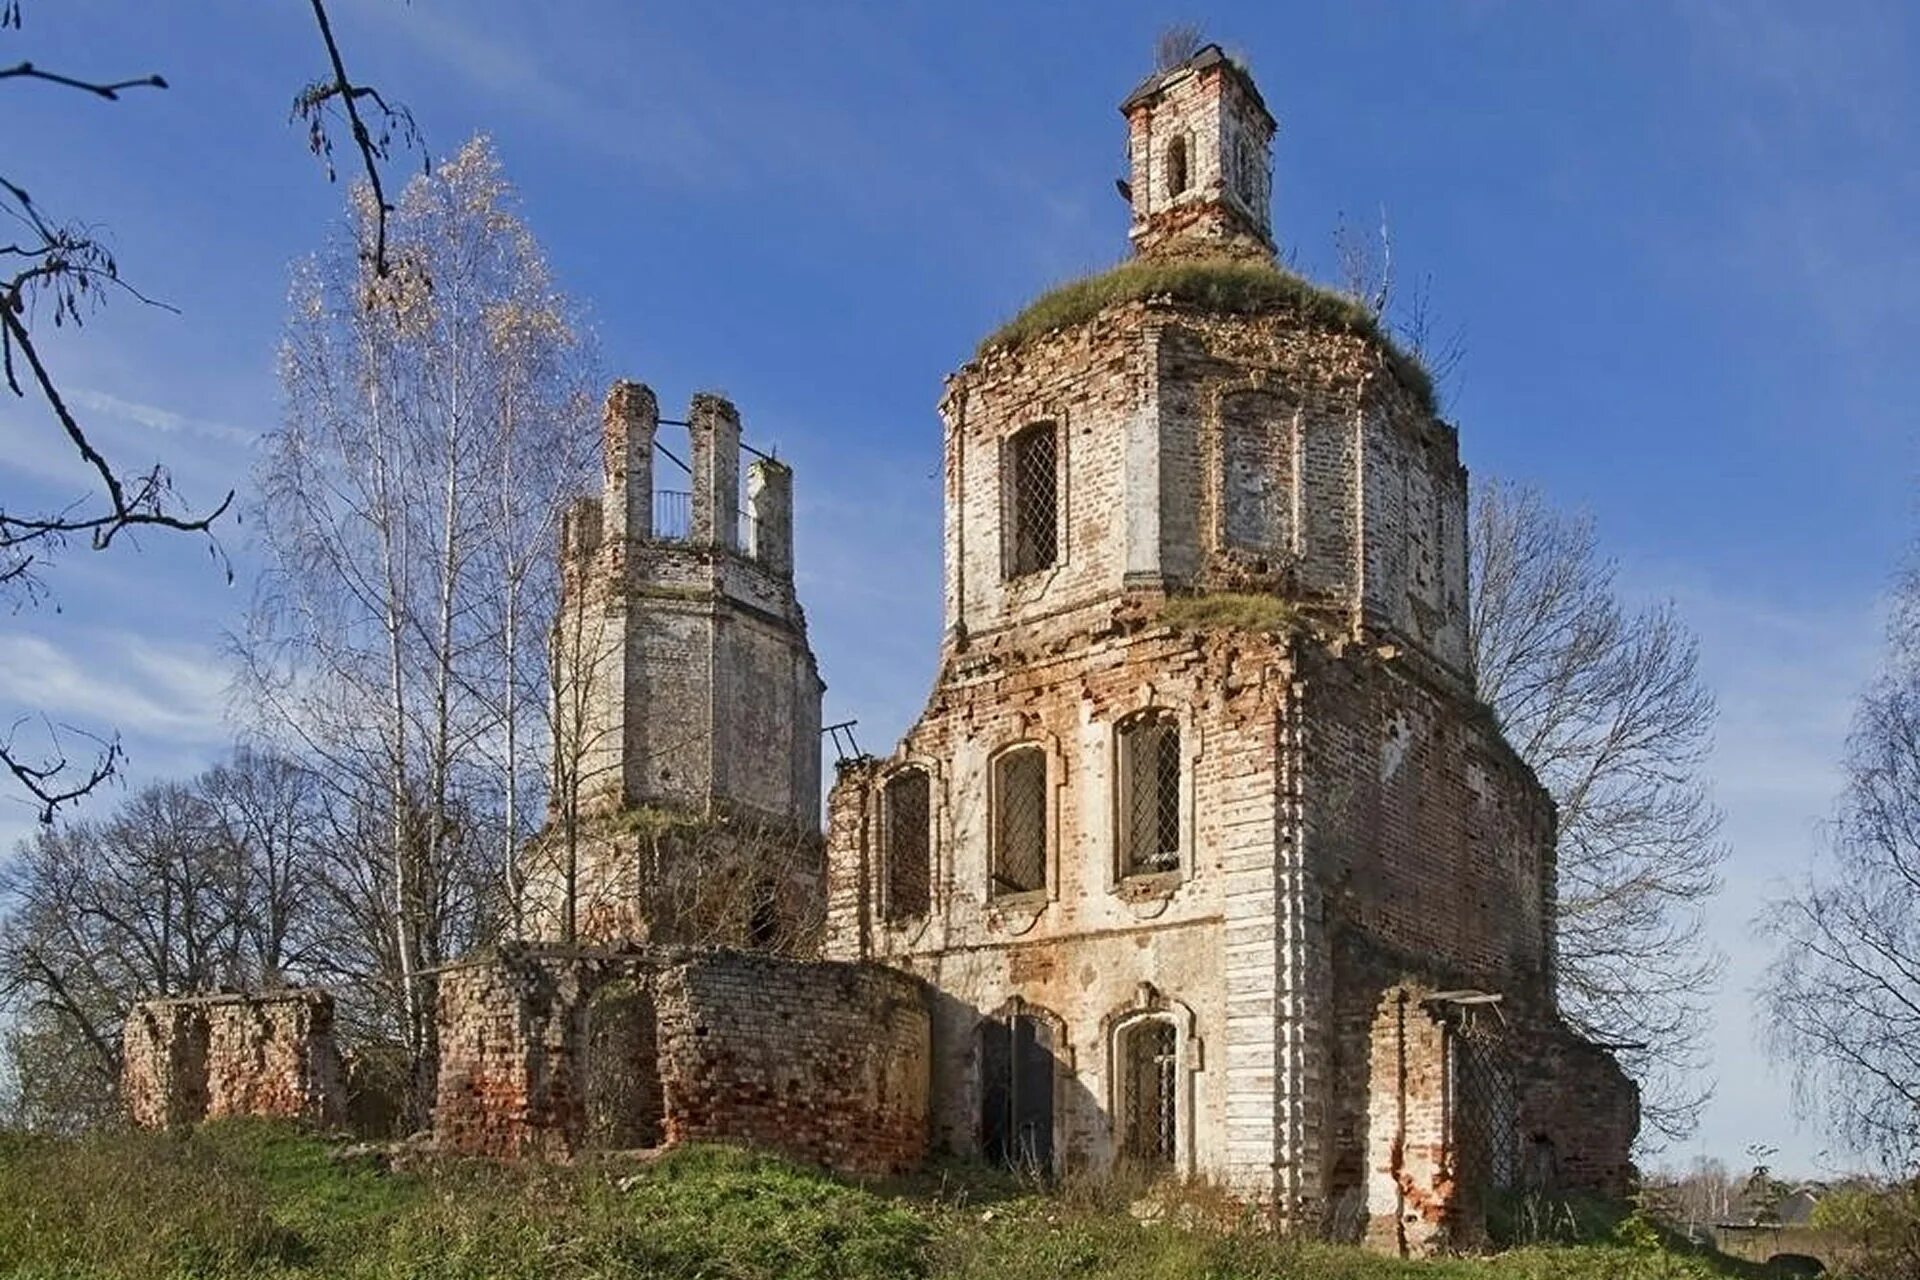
<point>1199,142</point>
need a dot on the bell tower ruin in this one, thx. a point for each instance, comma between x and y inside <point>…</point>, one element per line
<point>1198,150</point>
<point>687,699</point>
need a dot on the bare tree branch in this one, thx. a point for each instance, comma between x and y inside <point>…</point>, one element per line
<point>311,105</point>
<point>1609,710</point>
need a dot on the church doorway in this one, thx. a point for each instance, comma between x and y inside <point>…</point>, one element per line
<point>1017,1051</point>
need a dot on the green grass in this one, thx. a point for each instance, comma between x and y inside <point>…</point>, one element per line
<point>256,1200</point>
<point>1222,285</point>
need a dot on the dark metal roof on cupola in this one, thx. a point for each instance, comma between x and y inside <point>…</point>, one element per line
<point>1211,55</point>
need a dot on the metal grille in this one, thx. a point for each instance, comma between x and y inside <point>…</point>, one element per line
<point>1035,499</point>
<point>1150,794</point>
<point>1486,1110</point>
<point>1151,1111</point>
<point>909,846</point>
<point>672,515</point>
<point>1020,821</point>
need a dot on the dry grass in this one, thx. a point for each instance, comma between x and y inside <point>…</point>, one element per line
<point>1221,285</point>
<point>1231,611</point>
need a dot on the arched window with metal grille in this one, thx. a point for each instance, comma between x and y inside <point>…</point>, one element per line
<point>1149,793</point>
<point>1020,820</point>
<point>1033,499</point>
<point>907,831</point>
<point>1148,1053</point>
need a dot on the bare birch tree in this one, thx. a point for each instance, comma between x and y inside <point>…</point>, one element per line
<point>409,507</point>
<point>1608,708</point>
<point>1841,1000</point>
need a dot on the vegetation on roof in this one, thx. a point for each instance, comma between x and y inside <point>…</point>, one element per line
<point>1230,611</point>
<point>1222,284</point>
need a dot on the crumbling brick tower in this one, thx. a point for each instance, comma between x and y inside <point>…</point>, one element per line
<point>685,804</point>
<point>1211,855</point>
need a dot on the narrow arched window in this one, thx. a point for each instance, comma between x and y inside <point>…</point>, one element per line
<point>906,829</point>
<point>1149,796</point>
<point>1033,488</point>
<point>1177,178</point>
<point>1020,821</point>
<point>1149,1071</point>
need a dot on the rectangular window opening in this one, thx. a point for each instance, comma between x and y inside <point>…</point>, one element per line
<point>1034,479</point>
<point>1150,796</point>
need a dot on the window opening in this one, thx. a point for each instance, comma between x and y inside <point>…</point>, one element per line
<point>1150,1073</point>
<point>1150,794</point>
<point>1020,821</point>
<point>909,846</point>
<point>1177,166</point>
<point>1035,499</point>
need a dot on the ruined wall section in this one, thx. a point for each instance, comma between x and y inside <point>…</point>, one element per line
<point>211,1057</point>
<point>1466,1101</point>
<point>554,1051</point>
<point>826,1061</point>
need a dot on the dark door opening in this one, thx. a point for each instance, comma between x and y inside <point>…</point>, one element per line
<point>1016,1092</point>
<point>623,1098</point>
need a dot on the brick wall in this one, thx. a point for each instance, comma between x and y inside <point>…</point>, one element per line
<point>825,1061</point>
<point>209,1057</point>
<point>1162,412</point>
<point>1433,840</point>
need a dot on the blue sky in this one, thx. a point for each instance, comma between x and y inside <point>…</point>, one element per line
<point>1679,239</point>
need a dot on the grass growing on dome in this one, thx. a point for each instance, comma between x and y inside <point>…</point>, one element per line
<point>1220,284</point>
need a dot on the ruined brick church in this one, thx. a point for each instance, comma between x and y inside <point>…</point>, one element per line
<point>1203,857</point>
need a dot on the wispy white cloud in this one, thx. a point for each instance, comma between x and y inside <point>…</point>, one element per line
<point>154,418</point>
<point>168,694</point>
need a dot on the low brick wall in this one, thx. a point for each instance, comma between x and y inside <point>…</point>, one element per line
<point>208,1057</point>
<point>550,1051</point>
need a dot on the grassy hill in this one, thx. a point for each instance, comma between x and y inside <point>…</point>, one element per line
<point>247,1199</point>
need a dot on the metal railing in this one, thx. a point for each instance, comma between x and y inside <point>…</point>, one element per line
<point>672,516</point>
<point>673,522</point>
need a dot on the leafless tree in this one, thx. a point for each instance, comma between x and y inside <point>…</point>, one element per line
<point>1841,1001</point>
<point>1367,275</point>
<point>55,272</point>
<point>1174,44</point>
<point>1365,263</point>
<point>1608,708</point>
<point>180,891</point>
<point>409,507</point>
